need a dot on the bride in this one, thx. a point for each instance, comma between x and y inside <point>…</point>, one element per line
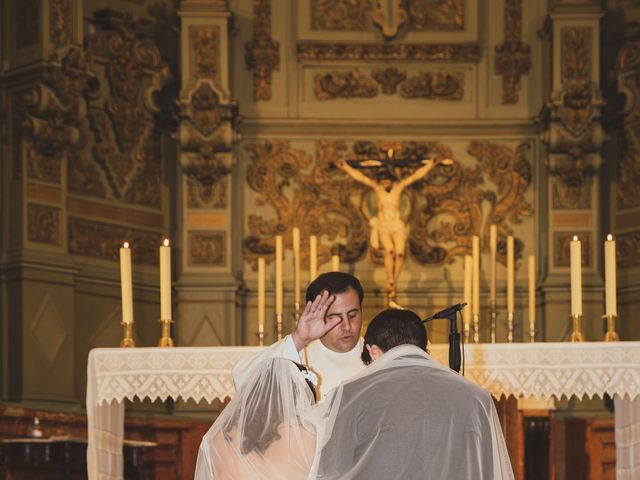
<point>263,433</point>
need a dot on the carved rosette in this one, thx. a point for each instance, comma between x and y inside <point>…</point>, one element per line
<point>513,56</point>
<point>44,224</point>
<point>574,134</point>
<point>263,52</point>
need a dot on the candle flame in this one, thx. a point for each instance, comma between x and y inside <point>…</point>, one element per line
<point>166,242</point>
<point>609,237</point>
<point>575,238</point>
<point>390,153</point>
<point>125,245</point>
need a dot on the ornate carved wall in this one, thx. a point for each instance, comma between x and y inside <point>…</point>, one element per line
<point>217,123</point>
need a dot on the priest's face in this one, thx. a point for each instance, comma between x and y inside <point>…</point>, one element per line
<point>344,336</point>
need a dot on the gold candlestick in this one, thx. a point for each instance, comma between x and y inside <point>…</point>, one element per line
<point>510,319</point>
<point>576,334</point>
<point>466,332</point>
<point>611,335</point>
<point>476,328</point>
<point>279,326</point>
<point>127,339</point>
<point>494,316</point>
<point>165,339</point>
<point>260,336</point>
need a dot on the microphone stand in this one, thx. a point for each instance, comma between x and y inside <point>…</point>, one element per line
<point>455,358</point>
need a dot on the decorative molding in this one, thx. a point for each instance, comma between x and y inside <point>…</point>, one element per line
<point>53,112</point>
<point>339,15</point>
<point>434,86</point>
<point>436,15</point>
<point>61,22</point>
<point>561,250</point>
<point>208,195</point>
<point>207,249</point>
<point>456,193</point>
<point>389,78</point>
<point>205,45</point>
<point>628,175</point>
<point>513,56</point>
<point>628,249</point>
<point>352,84</point>
<point>123,109</point>
<point>320,204</point>
<point>389,17</point>
<point>355,84</point>
<point>423,52</point>
<point>263,52</point>
<point>569,196</point>
<point>574,134</point>
<point>101,240</point>
<point>328,203</point>
<point>43,224</point>
<point>206,139</point>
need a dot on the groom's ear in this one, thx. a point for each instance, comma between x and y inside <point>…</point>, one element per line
<point>374,352</point>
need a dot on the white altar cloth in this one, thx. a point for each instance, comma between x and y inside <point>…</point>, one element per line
<point>528,370</point>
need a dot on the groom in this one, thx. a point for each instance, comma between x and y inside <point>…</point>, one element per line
<point>408,416</point>
<point>327,336</point>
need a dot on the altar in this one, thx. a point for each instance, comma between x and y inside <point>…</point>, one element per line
<point>526,370</point>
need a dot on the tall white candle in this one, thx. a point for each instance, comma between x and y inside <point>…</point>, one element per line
<point>468,275</point>
<point>279,285</point>
<point>125,284</point>
<point>475,250</point>
<point>611,307</point>
<point>165,280</point>
<point>335,263</point>
<point>576,276</point>
<point>296,266</point>
<point>532,292</point>
<point>261,293</point>
<point>313,258</point>
<point>493,248</point>
<point>511,274</point>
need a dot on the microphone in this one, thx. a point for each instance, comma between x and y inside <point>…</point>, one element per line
<point>447,312</point>
<point>454,337</point>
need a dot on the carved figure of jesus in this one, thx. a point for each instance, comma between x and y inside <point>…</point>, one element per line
<point>387,227</point>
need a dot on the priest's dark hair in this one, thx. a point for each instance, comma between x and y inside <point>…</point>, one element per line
<point>334,282</point>
<point>392,328</point>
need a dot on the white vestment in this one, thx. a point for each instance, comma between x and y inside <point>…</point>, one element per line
<point>407,416</point>
<point>332,368</point>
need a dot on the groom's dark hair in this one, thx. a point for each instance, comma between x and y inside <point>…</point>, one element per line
<point>391,328</point>
<point>334,282</point>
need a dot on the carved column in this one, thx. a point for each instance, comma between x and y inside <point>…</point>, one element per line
<point>624,204</point>
<point>573,137</point>
<point>207,288</point>
<point>46,72</point>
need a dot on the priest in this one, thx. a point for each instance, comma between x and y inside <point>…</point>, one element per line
<point>327,337</point>
<point>408,416</point>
